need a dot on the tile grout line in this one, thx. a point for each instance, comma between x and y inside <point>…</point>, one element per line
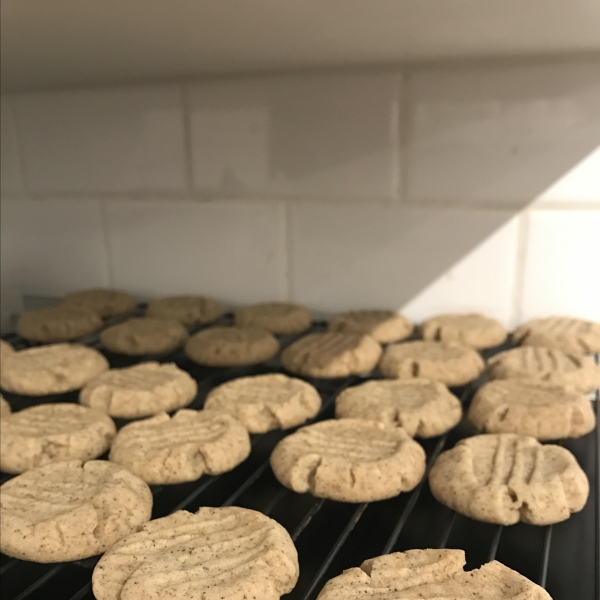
<point>404,132</point>
<point>20,150</point>
<point>396,139</point>
<point>519,277</point>
<point>187,138</point>
<point>287,250</point>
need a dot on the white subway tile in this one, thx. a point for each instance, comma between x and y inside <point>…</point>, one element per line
<point>11,177</point>
<point>501,134</point>
<point>52,246</point>
<point>105,140</point>
<point>376,256</point>
<point>234,251</point>
<point>562,264</point>
<point>332,135</point>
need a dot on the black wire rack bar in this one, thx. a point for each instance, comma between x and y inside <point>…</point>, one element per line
<point>332,536</point>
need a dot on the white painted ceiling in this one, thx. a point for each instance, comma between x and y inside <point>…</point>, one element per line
<point>58,43</point>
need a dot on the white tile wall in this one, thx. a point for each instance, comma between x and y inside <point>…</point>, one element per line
<point>52,246</point>
<point>562,264</point>
<point>440,189</point>
<point>501,134</point>
<point>11,179</point>
<point>107,140</point>
<point>234,251</point>
<point>312,135</point>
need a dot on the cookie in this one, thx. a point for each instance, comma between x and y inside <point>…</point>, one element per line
<point>49,433</point>
<point>4,408</point>
<point>350,460</point>
<point>505,478</point>
<point>5,350</point>
<point>217,553</point>
<point>544,365</point>
<point>105,302</point>
<point>436,574</point>
<point>543,411</point>
<point>231,346</point>
<point>422,407</point>
<point>69,511</point>
<point>475,331</point>
<point>331,354</point>
<point>384,326</point>
<point>51,369</point>
<point>140,391</point>
<point>189,310</point>
<point>137,337</point>
<point>573,336</point>
<point>58,324</point>
<point>165,450</point>
<point>446,362</point>
<point>276,317</point>
<point>266,402</point>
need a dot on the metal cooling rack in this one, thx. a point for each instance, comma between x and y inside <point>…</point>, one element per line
<point>333,536</point>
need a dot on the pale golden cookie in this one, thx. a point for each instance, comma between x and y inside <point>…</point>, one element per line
<point>5,350</point>
<point>68,511</point>
<point>140,391</point>
<point>51,369</point>
<point>4,408</point>
<point>506,478</point>
<point>189,310</point>
<point>145,335</point>
<point>164,450</point>
<point>574,336</point>
<point>231,346</point>
<point>422,407</point>
<point>384,326</point>
<point>218,553</point>
<point>58,324</point>
<point>435,574</point>
<point>331,355</point>
<point>266,402</point>
<point>543,365</point>
<point>349,460</point>
<point>276,317</point>
<point>104,302</point>
<point>446,362</point>
<point>50,433</point>
<point>541,410</point>
<point>475,331</point>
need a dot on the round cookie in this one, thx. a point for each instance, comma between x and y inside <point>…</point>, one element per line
<point>543,365</point>
<point>349,460</point>
<point>146,335</point>
<point>231,346</point>
<point>5,350</point>
<point>49,433</point>
<point>430,574</point>
<point>331,355</point>
<point>217,553</point>
<point>105,302</point>
<point>163,450</point>
<point>573,336</point>
<point>543,411</point>
<point>276,317</point>
<point>449,363</point>
<point>505,478</point>
<point>140,391</point>
<point>189,310</point>
<point>475,331</point>
<point>422,407</point>
<point>58,324</point>
<point>384,326</point>
<point>5,410</point>
<point>51,369</point>
<point>266,402</point>
<point>69,511</point>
